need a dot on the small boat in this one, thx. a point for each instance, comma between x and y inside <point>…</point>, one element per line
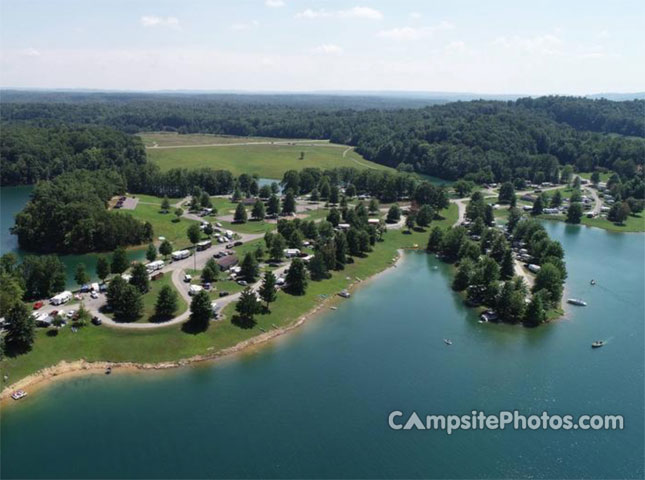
<point>108,370</point>
<point>577,301</point>
<point>18,394</point>
<point>593,282</point>
<point>334,308</point>
<point>597,344</point>
<point>447,341</point>
<point>344,294</point>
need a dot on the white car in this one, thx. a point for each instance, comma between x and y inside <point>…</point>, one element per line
<point>187,278</point>
<point>93,294</point>
<point>71,313</point>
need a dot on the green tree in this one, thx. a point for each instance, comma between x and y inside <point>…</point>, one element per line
<point>10,292</point>
<point>249,268</point>
<point>102,268</point>
<point>425,215</point>
<point>125,300</point>
<point>258,210</point>
<point>619,212</point>
<point>556,199</point>
<point>80,276</point>
<point>21,330</point>
<point>120,261</point>
<point>340,241</point>
<point>410,221</point>
<point>240,214</point>
<point>289,203</point>
<point>463,187</point>
<point>350,190</point>
<point>538,206</point>
<point>278,244</point>
<point>549,279</point>
<point>393,214</point>
<point>435,240</point>
<point>151,252</point>
<point>595,177</point>
<point>210,272</point>
<point>462,277</point>
<point>273,206</point>
<point>166,304</point>
<point>315,195</point>
<point>178,213</point>
<point>535,314</point>
<point>165,248</point>
<point>268,291</point>
<point>259,252</point>
<point>237,195</point>
<point>246,307</point>
<point>194,235</point>
<point>506,192</point>
<point>318,267</point>
<point>201,311</point>
<point>205,200</point>
<point>140,277</point>
<point>514,216</point>
<point>333,217</point>
<point>165,204</point>
<point>297,277</point>
<point>574,213</point>
<point>507,266</point>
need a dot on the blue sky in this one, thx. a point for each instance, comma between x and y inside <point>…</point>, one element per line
<point>536,47</point>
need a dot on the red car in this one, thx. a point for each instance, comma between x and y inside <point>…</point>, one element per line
<point>38,305</point>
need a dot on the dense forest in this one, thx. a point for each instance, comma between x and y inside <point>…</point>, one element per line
<point>31,153</point>
<point>69,214</point>
<point>483,141</point>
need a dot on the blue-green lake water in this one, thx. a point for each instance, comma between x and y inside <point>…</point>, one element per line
<point>315,403</point>
<point>12,200</point>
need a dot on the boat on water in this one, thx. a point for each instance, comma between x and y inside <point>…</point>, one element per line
<point>108,370</point>
<point>577,301</point>
<point>18,394</point>
<point>344,294</point>
<point>597,344</point>
<point>447,341</point>
<point>592,282</point>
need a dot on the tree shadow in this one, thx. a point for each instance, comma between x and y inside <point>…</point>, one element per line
<point>159,318</point>
<point>243,321</point>
<point>193,328</point>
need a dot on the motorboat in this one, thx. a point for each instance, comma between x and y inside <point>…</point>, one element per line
<point>18,394</point>
<point>592,282</point>
<point>447,341</point>
<point>577,301</point>
<point>597,344</point>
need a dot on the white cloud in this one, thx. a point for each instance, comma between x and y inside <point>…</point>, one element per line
<point>153,21</point>
<point>245,26</point>
<point>274,3</point>
<point>415,15</point>
<point>328,49</point>
<point>31,52</point>
<point>603,34</point>
<point>414,33</point>
<point>457,46</point>
<point>365,13</point>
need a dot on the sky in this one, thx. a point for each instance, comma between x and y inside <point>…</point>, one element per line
<point>495,47</point>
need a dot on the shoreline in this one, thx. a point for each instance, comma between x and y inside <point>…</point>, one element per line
<point>64,369</point>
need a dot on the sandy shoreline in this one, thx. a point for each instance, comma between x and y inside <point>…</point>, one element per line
<point>65,370</point>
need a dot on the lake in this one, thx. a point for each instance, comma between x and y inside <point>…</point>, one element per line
<point>315,403</point>
<point>12,201</point>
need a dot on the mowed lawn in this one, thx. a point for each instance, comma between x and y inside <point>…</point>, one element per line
<point>163,224</point>
<point>266,161</point>
<point>173,139</point>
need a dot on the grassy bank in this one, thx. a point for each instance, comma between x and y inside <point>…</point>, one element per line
<point>171,343</point>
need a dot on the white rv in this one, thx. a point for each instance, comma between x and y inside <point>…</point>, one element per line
<point>154,266</point>
<point>61,298</point>
<point>180,254</point>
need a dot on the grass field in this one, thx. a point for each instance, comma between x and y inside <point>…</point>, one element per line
<point>163,225</point>
<point>173,139</point>
<point>267,161</point>
<point>171,343</point>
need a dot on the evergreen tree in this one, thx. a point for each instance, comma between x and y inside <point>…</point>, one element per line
<point>410,220</point>
<point>165,248</point>
<point>333,195</point>
<point>249,268</point>
<point>201,311</point>
<point>435,240</point>
<point>124,299</point>
<point>350,190</point>
<point>318,267</point>
<point>246,307</point>
<point>538,206</point>
<point>278,244</point>
<point>273,206</point>
<point>140,277</point>
<point>295,239</point>
<point>289,203</point>
<point>240,214</point>
<point>21,330</point>
<point>120,261</point>
<point>333,217</point>
<point>315,195</point>
<point>393,214</point>
<point>80,276</point>
<point>514,216</point>
<point>574,213</point>
<point>268,291</point>
<point>166,304</point>
<point>297,277</point>
<point>353,243</point>
<point>151,252</point>
<point>556,199</point>
<point>462,277</point>
<point>340,241</point>
<point>507,267</point>
<point>102,268</point>
<point>425,216</point>
<point>165,204</point>
<point>489,215</point>
<point>258,212</point>
<point>549,279</point>
<point>535,313</point>
<point>237,195</point>
<point>205,200</point>
<point>506,192</point>
<point>178,213</point>
<point>210,272</point>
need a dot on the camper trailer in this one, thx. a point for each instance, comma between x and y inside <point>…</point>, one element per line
<point>61,298</point>
<point>180,254</point>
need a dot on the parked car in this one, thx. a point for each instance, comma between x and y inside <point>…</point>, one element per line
<point>238,243</point>
<point>96,321</point>
<point>223,293</point>
<point>38,305</point>
<point>187,278</point>
<point>71,313</point>
<point>93,294</point>
<point>244,283</point>
<point>230,245</point>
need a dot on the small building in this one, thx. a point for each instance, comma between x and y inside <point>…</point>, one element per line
<point>227,262</point>
<point>61,298</point>
<point>344,226</point>
<point>291,252</point>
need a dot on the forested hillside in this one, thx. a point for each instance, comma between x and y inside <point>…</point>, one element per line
<point>483,141</point>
